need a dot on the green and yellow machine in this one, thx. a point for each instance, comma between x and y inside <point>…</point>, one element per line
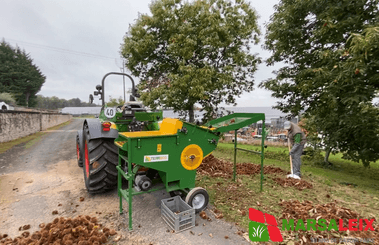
<point>168,158</point>
<point>96,151</point>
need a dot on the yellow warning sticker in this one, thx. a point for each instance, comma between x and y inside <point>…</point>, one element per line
<point>159,147</point>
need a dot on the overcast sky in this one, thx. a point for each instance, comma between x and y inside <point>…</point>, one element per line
<point>75,43</point>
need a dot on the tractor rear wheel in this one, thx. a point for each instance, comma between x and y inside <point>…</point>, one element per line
<point>79,148</point>
<point>100,160</point>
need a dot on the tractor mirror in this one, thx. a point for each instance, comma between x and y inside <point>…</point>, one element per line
<point>90,98</point>
<point>136,94</point>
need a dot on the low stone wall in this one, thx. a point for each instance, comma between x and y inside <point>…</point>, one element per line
<point>18,124</point>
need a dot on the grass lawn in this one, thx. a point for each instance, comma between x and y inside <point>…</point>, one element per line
<point>347,182</point>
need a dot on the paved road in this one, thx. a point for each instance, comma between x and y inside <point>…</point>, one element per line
<point>45,177</point>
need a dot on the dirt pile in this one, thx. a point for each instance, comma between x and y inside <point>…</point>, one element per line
<point>82,230</point>
<point>215,167</point>
<point>298,184</point>
<point>307,210</point>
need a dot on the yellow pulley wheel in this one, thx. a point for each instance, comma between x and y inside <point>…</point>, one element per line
<point>191,157</point>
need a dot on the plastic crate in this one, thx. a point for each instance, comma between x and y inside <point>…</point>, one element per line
<point>177,213</point>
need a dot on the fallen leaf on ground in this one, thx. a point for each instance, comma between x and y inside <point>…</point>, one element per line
<point>26,227</point>
<point>203,215</point>
<point>117,238</point>
<point>219,216</point>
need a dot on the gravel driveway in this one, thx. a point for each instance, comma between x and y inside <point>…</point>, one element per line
<point>36,181</point>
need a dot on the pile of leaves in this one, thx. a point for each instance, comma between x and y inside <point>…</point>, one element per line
<point>307,210</point>
<point>298,184</point>
<point>215,167</point>
<point>82,230</point>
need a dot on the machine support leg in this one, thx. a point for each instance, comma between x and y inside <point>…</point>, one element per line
<point>119,183</point>
<point>130,197</point>
<point>121,211</point>
<point>235,155</point>
<point>130,185</point>
<point>262,151</point>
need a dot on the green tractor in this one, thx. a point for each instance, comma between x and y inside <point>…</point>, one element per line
<point>96,151</point>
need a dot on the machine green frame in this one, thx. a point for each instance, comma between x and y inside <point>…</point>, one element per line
<point>134,147</point>
<point>252,118</point>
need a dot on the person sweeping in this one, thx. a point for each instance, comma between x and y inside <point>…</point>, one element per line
<point>297,139</point>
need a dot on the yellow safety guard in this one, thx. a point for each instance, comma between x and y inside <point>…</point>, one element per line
<point>191,157</point>
<point>169,126</point>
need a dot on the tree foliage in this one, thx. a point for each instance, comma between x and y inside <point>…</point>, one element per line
<point>7,98</point>
<point>18,75</point>
<point>53,103</point>
<point>193,52</point>
<point>115,102</point>
<point>330,54</point>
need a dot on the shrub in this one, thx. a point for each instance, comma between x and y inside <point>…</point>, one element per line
<point>7,98</point>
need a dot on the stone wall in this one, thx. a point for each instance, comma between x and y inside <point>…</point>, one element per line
<point>18,124</point>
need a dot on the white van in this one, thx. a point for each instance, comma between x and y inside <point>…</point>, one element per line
<point>5,107</point>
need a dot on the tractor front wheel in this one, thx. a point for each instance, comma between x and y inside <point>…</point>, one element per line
<point>100,160</point>
<point>198,198</point>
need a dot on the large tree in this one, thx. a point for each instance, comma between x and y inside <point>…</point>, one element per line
<point>190,52</point>
<point>18,75</point>
<point>329,53</point>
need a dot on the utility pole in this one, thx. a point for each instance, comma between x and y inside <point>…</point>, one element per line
<point>122,69</point>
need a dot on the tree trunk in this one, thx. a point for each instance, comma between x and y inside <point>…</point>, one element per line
<point>327,153</point>
<point>191,114</point>
<point>27,99</point>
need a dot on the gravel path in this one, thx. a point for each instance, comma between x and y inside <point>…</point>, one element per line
<point>36,181</point>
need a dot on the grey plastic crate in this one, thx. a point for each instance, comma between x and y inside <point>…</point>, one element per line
<point>177,213</point>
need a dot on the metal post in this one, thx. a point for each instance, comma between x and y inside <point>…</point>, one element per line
<point>130,182</point>
<point>235,155</point>
<point>123,78</point>
<point>262,151</point>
